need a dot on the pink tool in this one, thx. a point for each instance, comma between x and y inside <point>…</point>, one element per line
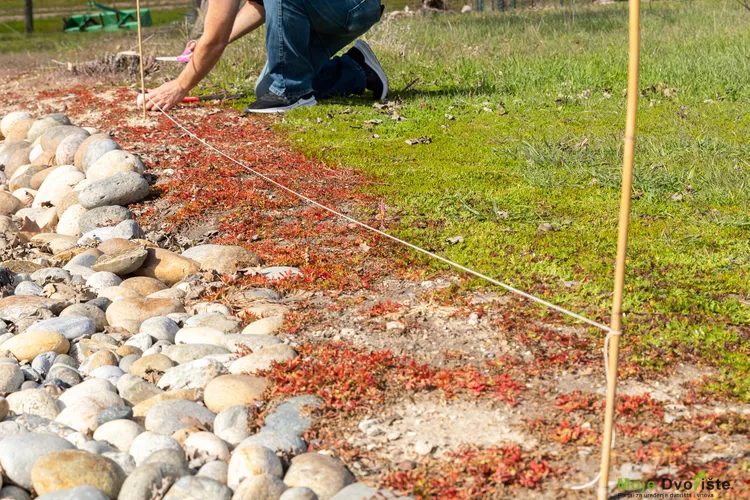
<point>182,58</point>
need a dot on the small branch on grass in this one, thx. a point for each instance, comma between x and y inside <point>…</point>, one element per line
<point>745,3</point>
<point>411,84</point>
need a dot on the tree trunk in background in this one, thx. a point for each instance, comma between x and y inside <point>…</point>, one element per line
<point>201,6</point>
<point>28,16</point>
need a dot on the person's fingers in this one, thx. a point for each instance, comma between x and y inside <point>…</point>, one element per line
<point>191,45</point>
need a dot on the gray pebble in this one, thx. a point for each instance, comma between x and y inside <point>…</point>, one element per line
<point>114,413</point>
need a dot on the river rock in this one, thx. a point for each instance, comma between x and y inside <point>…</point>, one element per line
<point>11,377</point>
<point>11,119</point>
<point>26,346</point>
<point>238,342</point>
<point>43,362</point>
<point>57,243</point>
<point>160,328</point>
<point>19,453</point>
<point>263,359</point>
<point>148,442</point>
<point>89,311</point>
<point>185,353</point>
<point>167,266</point>
<point>13,493</point>
<point>118,433</point>
<point>151,364</point>
<point>57,184</point>
<point>53,136</point>
<point>19,130</point>
<point>66,150</point>
<point>102,279</point>
<point>82,414</point>
<point>264,326</point>
<point>127,229</point>
<point>67,469</point>
<point>34,401</point>
<point>192,375</point>
<point>142,341</point>
<point>142,409</point>
<point>144,286</point>
<point>113,162</point>
<point>204,447</point>
<point>70,327</point>
<point>135,390</point>
<point>360,491</point>
<point>151,477</point>
<point>9,204</point>
<point>45,123</point>
<point>293,415</point>
<point>122,188</point>
<point>229,390</point>
<point>92,149</point>
<point>252,461</point>
<point>114,413</point>
<point>226,259</point>
<point>122,263</point>
<point>216,470</point>
<point>278,441</point>
<point>322,474</point>
<point>83,492</point>
<point>69,221</point>
<point>232,424</point>
<point>97,360</point>
<point>27,288</point>
<point>216,321</point>
<point>298,494</point>
<point>129,313</point>
<point>25,196</point>
<point>199,335</point>
<point>106,216</point>
<point>198,487</point>
<point>261,486</point>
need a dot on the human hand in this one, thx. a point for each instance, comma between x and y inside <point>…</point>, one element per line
<point>166,96</point>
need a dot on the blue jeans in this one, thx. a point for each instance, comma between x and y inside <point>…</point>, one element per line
<point>301,38</point>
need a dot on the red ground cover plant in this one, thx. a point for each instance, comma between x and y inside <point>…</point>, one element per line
<point>472,473</point>
<point>355,379</point>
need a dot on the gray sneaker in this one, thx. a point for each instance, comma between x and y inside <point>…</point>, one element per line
<point>376,79</point>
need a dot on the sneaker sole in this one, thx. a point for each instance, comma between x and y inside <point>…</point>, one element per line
<point>373,63</point>
<point>299,104</point>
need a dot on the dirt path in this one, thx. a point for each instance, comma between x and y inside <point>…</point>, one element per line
<point>428,387</point>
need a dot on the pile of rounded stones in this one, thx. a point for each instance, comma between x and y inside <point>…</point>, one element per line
<point>113,385</point>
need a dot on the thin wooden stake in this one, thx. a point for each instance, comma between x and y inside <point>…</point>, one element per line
<point>622,239</point>
<point>140,54</point>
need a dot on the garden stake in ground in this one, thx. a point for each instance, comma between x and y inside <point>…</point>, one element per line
<point>622,244</point>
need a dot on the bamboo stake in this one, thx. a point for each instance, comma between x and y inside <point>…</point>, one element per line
<point>622,239</point>
<point>140,54</point>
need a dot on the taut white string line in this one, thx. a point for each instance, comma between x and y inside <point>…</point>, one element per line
<point>386,235</point>
<point>606,376</point>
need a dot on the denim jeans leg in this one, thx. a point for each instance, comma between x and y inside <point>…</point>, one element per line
<point>336,24</point>
<point>340,76</point>
<point>264,81</point>
<point>287,46</point>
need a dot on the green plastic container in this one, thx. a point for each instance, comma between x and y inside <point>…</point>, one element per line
<point>106,19</point>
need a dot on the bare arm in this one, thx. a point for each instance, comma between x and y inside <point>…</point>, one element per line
<point>216,34</point>
<point>250,17</point>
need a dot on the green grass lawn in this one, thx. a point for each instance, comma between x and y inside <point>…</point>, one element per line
<point>526,111</point>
